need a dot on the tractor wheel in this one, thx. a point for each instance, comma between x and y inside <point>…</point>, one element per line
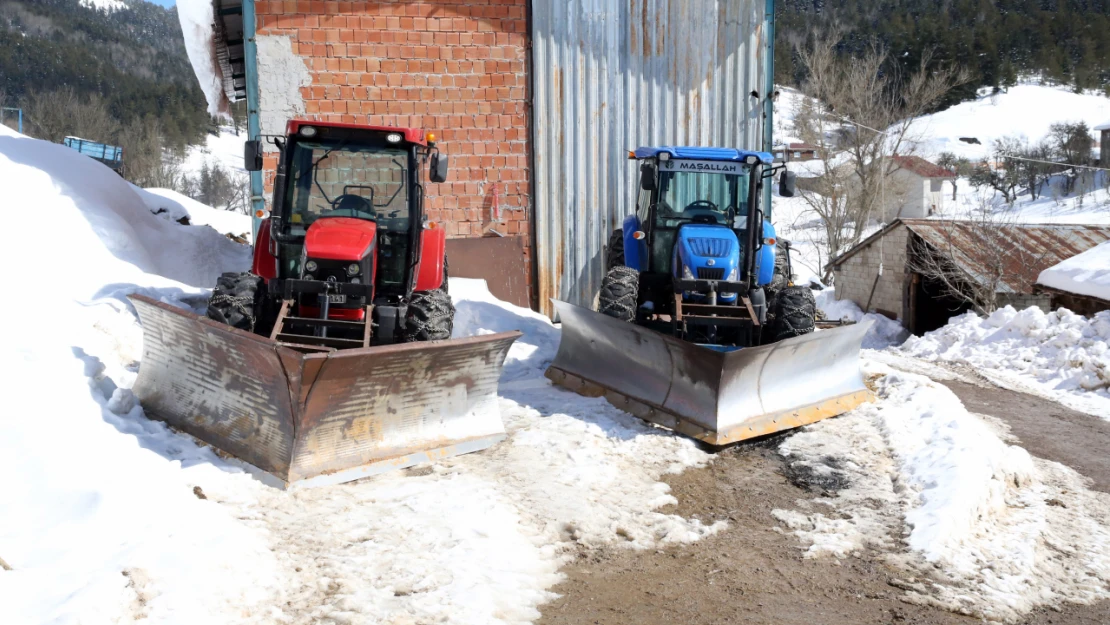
<point>791,313</point>
<point>235,300</point>
<point>779,279</point>
<point>619,293</point>
<point>430,315</point>
<point>614,256</point>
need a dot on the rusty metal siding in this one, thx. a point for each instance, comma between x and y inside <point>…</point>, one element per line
<point>1038,247</point>
<point>612,75</point>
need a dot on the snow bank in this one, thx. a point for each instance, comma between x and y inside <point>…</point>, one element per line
<point>990,531</point>
<point>885,332</point>
<point>197,23</point>
<point>1086,274</point>
<point>1059,354</point>
<point>176,206</point>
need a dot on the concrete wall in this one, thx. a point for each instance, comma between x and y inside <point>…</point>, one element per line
<point>454,68</point>
<point>855,277</point>
<point>1023,301</point>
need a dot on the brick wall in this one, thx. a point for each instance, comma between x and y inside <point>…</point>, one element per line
<point>856,276</point>
<point>455,68</point>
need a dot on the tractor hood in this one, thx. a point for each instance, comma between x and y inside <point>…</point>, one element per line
<point>715,249</point>
<point>340,238</point>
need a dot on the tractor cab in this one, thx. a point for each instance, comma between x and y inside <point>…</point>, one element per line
<point>700,241</point>
<point>347,239</point>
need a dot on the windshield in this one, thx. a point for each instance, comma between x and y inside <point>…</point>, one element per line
<point>340,179</point>
<point>703,196</point>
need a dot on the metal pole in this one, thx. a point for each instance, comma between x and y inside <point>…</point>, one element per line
<point>254,127</point>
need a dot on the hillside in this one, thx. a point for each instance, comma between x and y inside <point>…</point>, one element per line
<point>129,52</point>
<point>1066,41</point>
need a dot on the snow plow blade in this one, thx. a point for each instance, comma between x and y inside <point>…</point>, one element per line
<point>320,418</point>
<point>713,396</point>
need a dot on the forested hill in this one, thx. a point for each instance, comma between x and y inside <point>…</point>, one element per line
<point>133,56</point>
<point>1067,41</point>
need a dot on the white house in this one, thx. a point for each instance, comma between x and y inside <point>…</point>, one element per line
<point>917,189</point>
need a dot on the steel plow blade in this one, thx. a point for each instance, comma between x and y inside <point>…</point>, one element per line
<point>326,418</point>
<point>713,396</point>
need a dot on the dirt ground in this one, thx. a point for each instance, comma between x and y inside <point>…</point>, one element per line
<point>753,574</point>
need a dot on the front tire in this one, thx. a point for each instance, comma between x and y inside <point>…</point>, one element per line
<point>235,300</point>
<point>791,313</point>
<point>614,255</point>
<point>620,291</point>
<point>431,314</point>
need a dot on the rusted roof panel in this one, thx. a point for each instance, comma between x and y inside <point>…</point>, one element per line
<point>1034,247</point>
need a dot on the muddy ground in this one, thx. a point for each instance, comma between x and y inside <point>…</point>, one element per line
<point>750,573</point>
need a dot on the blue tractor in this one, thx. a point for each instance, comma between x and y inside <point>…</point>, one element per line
<point>699,257</point>
<point>698,327</point>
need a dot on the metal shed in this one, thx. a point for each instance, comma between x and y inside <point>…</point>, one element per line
<point>612,75</point>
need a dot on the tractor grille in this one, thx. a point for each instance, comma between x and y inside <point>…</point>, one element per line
<point>710,248</point>
<point>711,273</point>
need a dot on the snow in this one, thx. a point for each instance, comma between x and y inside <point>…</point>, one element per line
<point>884,332</point>
<point>197,27</point>
<point>225,150</point>
<point>990,531</point>
<point>104,5</point>
<point>1059,355</point>
<point>177,206</point>
<point>1086,274</point>
<point>108,523</point>
<point>1024,110</point>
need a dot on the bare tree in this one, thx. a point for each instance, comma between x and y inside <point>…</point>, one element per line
<point>974,257</point>
<point>54,115</point>
<point>1073,144</point>
<point>861,113</point>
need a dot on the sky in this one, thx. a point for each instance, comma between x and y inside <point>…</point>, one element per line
<point>165,3</point>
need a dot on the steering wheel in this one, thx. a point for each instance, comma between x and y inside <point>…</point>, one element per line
<point>701,212</point>
<point>353,203</point>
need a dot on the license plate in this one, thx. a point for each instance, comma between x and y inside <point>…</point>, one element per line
<point>337,299</point>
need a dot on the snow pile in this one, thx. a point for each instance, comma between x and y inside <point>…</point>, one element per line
<point>885,332</point>
<point>1086,274</point>
<point>1060,354</point>
<point>225,150</point>
<point>197,24</point>
<point>176,207</point>
<point>990,531</point>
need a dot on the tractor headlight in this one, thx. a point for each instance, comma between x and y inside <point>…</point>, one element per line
<point>310,266</point>
<point>308,276</point>
<point>686,273</point>
<point>353,269</point>
<point>733,275</point>
<point>355,280</point>
<point>393,137</point>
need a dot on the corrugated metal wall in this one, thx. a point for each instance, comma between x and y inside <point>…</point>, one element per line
<point>612,75</point>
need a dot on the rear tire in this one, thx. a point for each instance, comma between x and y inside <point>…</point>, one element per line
<point>614,255</point>
<point>235,300</point>
<point>780,279</point>
<point>619,293</point>
<point>430,315</point>
<point>791,313</point>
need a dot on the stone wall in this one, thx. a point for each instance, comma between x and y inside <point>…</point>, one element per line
<point>856,275</point>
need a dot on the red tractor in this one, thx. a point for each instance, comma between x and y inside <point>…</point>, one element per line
<point>348,258</point>
<point>332,358</point>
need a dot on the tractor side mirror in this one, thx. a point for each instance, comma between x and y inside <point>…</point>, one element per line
<point>788,184</point>
<point>437,172</point>
<point>252,155</point>
<point>647,177</point>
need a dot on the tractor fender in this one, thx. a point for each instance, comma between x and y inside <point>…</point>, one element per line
<point>264,264</point>
<point>635,251</point>
<point>429,271</point>
<point>765,260</point>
